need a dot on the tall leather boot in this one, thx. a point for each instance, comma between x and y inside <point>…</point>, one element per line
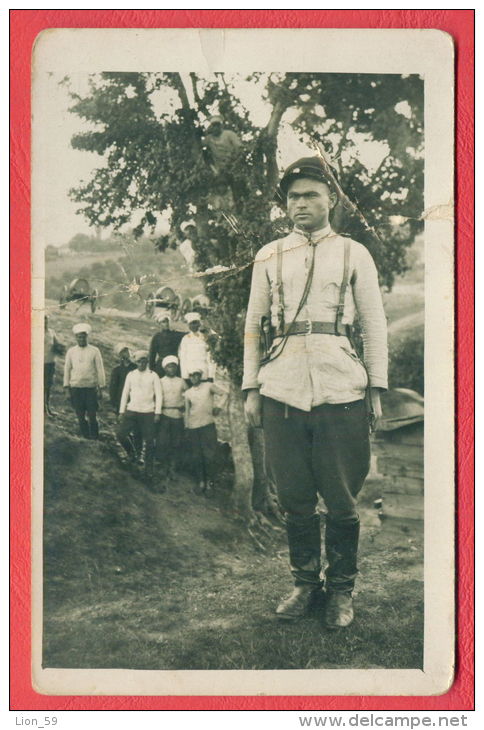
<point>341,542</point>
<point>304,539</point>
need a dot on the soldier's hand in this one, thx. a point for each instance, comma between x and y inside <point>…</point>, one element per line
<point>376,407</point>
<point>253,407</point>
<point>67,391</point>
<point>157,417</point>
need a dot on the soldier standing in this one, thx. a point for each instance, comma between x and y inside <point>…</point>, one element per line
<point>308,389</point>
<point>163,343</point>
<point>84,380</point>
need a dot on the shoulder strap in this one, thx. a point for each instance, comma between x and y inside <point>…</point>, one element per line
<point>279,285</point>
<point>339,327</point>
<point>280,288</point>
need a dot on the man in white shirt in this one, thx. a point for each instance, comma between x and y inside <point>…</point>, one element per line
<point>84,380</point>
<point>223,150</point>
<point>194,350</point>
<point>308,389</point>
<point>189,229</point>
<point>223,144</point>
<point>200,412</point>
<point>140,410</point>
<point>170,432</point>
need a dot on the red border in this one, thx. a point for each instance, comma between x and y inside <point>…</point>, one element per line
<point>25,25</point>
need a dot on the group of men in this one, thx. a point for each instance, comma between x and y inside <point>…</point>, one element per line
<point>304,383</point>
<point>160,397</point>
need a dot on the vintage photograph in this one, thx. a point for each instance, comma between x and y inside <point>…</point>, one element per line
<point>233,269</point>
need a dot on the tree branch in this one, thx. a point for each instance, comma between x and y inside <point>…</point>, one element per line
<point>270,142</point>
<point>200,104</point>
<point>182,92</point>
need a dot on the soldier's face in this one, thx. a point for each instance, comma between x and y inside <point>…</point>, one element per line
<point>309,203</point>
<point>81,338</point>
<point>170,369</point>
<point>124,355</point>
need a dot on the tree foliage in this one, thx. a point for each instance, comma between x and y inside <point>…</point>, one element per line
<point>154,161</point>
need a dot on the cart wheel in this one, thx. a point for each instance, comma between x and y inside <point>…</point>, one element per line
<point>186,306</point>
<point>93,300</point>
<point>150,305</point>
<point>176,308</point>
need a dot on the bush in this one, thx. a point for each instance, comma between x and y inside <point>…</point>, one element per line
<point>407,361</point>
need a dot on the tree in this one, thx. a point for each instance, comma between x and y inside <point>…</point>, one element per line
<point>80,242</point>
<point>156,162</point>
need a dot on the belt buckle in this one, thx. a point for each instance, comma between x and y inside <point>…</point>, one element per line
<point>309,326</point>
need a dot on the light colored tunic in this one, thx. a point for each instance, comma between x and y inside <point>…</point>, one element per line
<point>84,367</point>
<point>141,392</point>
<point>173,401</point>
<point>223,147</point>
<point>199,404</point>
<point>317,368</point>
<point>186,250</point>
<point>194,354</point>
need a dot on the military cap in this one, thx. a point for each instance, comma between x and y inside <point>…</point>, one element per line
<point>82,327</point>
<point>118,349</point>
<point>312,167</point>
<point>140,355</point>
<point>168,360</point>
<point>192,317</point>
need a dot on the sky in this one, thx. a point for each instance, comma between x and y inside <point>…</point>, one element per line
<point>63,168</point>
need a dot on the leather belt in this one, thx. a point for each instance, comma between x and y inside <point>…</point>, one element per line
<point>306,327</point>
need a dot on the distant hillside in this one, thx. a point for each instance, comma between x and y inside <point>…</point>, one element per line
<point>111,273</point>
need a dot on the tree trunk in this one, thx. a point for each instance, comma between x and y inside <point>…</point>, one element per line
<point>260,492</point>
<point>244,471</point>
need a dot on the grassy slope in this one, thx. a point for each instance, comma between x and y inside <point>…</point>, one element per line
<point>145,581</point>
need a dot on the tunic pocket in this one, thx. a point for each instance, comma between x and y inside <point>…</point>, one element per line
<point>359,369</point>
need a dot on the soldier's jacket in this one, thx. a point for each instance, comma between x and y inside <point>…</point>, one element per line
<point>317,368</point>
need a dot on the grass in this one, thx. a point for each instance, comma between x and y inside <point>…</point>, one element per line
<point>139,580</point>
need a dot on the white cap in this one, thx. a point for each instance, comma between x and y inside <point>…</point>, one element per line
<point>82,327</point>
<point>118,349</point>
<point>140,354</point>
<point>161,314</point>
<point>192,317</point>
<point>195,370</point>
<point>169,359</point>
<point>185,225</point>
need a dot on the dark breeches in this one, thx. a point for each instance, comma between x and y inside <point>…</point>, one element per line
<point>325,452</point>
<point>133,429</point>
<point>203,447</point>
<point>84,401</point>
